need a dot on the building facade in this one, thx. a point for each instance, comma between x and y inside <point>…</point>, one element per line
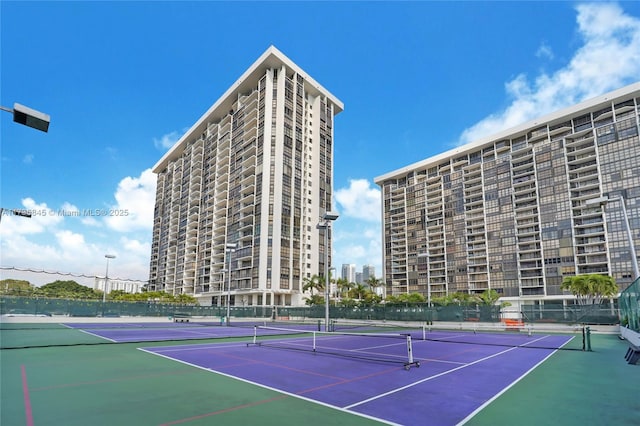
<point>368,271</point>
<point>239,196</point>
<point>520,210</point>
<point>127,286</point>
<point>349,272</point>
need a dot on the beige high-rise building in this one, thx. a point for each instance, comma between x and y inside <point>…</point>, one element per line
<point>244,190</point>
<point>520,210</point>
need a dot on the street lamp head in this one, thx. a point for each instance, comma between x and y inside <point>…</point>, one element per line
<point>110,256</point>
<point>330,216</point>
<point>231,246</point>
<point>30,117</point>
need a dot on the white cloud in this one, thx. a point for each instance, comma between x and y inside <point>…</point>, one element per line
<point>544,52</point>
<point>608,59</point>
<point>42,218</point>
<point>28,159</point>
<point>359,243</point>
<point>135,203</point>
<point>167,141</point>
<point>142,249</point>
<point>72,244</point>
<point>90,221</point>
<point>54,240</point>
<point>360,200</point>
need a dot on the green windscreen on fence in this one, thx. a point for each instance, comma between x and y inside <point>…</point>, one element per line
<point>11,305</point>
<point>629,302</point>
<point>569,314</point>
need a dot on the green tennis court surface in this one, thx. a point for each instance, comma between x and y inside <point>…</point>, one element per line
<point>117,384</point>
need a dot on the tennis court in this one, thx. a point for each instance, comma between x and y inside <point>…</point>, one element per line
<point>153,376</point>
<point>379,375</point>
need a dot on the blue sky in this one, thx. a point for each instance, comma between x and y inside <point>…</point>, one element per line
<point>122,81</point>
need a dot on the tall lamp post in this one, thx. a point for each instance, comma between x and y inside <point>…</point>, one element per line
<point>634,258</point>
<point>327,218</point>
<point>106,277</point>
<point>29,117</point>
<point>230,248</point>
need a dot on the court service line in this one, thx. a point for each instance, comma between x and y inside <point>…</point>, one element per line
<point>426,379</point>
<point>25,394</point>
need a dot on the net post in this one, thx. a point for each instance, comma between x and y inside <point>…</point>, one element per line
<point>255,334</point>
<point>314,341</point>
<point>588,338</point>
<point>410,360</point>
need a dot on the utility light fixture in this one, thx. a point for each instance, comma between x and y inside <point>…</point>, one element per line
<point>330,216</point>
<point>29,117</point>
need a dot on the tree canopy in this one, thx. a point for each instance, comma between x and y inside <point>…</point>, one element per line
<point>590,289</point>
<point>74,290</point>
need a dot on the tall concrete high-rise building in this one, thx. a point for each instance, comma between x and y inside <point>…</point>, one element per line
<point>520,210</point>
<point>240,195</point>
<point>368,271</point>
<point>349,272</point>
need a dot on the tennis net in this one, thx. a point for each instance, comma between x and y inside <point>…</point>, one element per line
<point>394,348</point>
<point>521,335</point>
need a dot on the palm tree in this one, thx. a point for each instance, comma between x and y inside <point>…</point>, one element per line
<point>374,283</point>
<point>344,286</point>
<point>315,282</point>
<point>358,290</point>
<point>590,289</point>
<point>314,300</point>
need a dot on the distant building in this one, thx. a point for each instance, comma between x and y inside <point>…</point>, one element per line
<point>349,272</point>
<point>244,189</point>
<point>368,271</point>
<point>359,278</point>
<point>115,284</point>
<point>518,211</point>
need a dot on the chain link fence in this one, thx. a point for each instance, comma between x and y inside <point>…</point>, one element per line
<point>574,314</point>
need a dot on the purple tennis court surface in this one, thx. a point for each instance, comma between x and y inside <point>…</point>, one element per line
<point>454,380</point>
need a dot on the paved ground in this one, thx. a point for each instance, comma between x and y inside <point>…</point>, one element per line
<point>119,384</point>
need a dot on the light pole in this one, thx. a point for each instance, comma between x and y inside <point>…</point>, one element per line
<point>29,117</point>
<point>634,258</point>
<point>327,218</point>
<point>106,277</point>
<point>230,248</point>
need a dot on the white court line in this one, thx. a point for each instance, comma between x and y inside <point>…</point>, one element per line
<point>293,395</point>
<point>426,379</point>
<point>189,347</point>
<point>480,408</point>
<point>96,335</point>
